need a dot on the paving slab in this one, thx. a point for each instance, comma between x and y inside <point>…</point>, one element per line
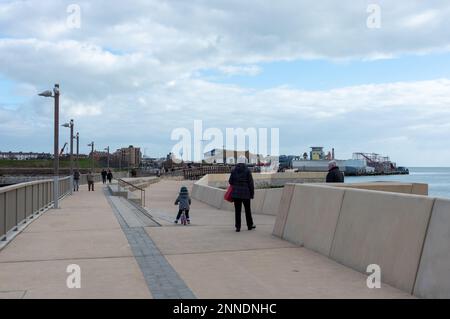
<point>73,220</point>
<point>273,273</point>
<point>100,278</point>
<point>66,245</point>
<point>216,262</point>
<point>191,239</point>
<point>84,231</point>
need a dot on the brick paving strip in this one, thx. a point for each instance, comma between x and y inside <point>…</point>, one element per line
<point>161,278</point>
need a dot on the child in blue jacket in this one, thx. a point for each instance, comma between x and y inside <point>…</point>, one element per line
<point>183,201</point>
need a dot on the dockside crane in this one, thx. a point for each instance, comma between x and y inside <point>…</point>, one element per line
<point>62,150</point>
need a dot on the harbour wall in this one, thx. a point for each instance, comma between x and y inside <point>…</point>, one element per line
<point>407,235</point>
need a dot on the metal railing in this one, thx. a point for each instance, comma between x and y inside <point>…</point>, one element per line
<point>21,202</point>
<point>123,184</point>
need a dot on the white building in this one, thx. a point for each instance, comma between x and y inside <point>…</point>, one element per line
<point>220,156</point>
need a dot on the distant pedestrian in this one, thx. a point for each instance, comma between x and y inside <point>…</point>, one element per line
<point>104,173</point>
<point>243,191</point>
<point>183,201</point>
<point>76,181</point>
<point>334,174</point>
<point>109,175</point>
<point>90,180</point>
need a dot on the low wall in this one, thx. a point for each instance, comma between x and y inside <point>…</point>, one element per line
<point>266,201</point>
<point>266,180</point>
<point>210,189</point>
<point>141,182</point>
<point>433,280</point>
<point>407,235</point>
<point>395,187</point>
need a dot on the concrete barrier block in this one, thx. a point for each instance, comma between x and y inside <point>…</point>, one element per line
<point>218,198</point>
<point>433,278</point>
<point>382,228</point>
<point>283,210</point>
<point>194,191</point>
<point>313,216</point>
<point>258,201</point>
<point>419,189</point>
<point>272,201</point>
<point>394,187</point>
<point>210,195</point>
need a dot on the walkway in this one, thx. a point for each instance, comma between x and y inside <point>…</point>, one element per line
<point>217,262</point>
<point>124,256</point>
<point>83,232</point>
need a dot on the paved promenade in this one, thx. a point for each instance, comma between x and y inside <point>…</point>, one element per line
<point>122,256</point>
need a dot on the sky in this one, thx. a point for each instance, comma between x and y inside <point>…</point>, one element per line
<point>133,72</point>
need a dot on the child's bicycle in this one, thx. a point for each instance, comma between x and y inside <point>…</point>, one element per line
<point>183,219</point>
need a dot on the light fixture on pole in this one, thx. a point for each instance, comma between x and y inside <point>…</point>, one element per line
<point>78,149</point>
<point>55,95</point>
<point>70,125</point>
<point>92,155</point>
<point>107,160</point>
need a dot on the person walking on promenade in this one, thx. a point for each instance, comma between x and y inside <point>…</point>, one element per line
<point>76,181</point>
<point>90,180</point>
<point>183,201</point>
<point>334,174</point>
<point>243,190</point>
<point>109,175</point>
<point>104,173</point>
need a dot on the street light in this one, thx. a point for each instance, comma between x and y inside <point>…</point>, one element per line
<point>107,149</point>
<point>92,155</point>
<point>78,149</point>
<point>70,125</point>
<point>55,95</point>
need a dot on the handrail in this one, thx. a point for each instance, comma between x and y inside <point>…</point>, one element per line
<point>21,202</point>
<point>136,187</point>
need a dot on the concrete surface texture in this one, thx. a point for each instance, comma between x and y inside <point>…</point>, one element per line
<point>313,216</point>
<point>208,256</point>
<point>283,210</point>
<point>433,279</point>
<point>360,227</point>
<point>269,179</point>
<point>83,231</point>
<point>266,201</point>
<point>216,262</point>
<point>394,187</point>
<point>385,229</point>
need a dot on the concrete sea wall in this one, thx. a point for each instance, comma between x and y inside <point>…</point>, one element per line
<point>407,235</point>
<point>211,189</point>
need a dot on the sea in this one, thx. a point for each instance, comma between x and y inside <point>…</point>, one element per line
<point>437,178</point>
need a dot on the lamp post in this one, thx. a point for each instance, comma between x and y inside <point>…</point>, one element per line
<point>78,149</point>
<point>70,125</point>
<point>107,160</point>
<point>55,95</point>
<point>120,159</point>
<point>92,155</point>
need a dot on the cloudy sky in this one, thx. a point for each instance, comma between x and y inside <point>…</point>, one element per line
<point>134,71</point>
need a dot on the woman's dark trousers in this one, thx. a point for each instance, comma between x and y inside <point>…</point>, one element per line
<point>248,213</point>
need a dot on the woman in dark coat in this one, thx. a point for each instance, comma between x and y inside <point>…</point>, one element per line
<point>334,174</point>
<point>243,191</point>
